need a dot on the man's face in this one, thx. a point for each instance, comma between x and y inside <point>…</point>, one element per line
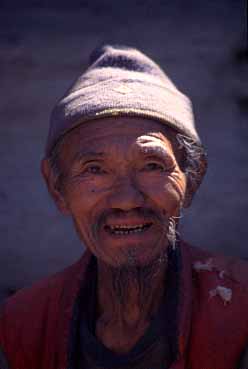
<point>121,184</point>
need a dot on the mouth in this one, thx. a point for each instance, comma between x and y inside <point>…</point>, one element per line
<point>125,230</point>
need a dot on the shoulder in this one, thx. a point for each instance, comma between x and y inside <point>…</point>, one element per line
<point>35,296</point>
<point>219,285</point>
<point>221,266</point>
<point>220,279</point>
<point>219,306</point>
<point>39,304</point>
<point>37,315</point>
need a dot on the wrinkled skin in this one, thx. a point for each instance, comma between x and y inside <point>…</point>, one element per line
<point>122,171</point>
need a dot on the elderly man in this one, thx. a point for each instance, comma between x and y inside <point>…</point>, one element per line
<point>123,159</point>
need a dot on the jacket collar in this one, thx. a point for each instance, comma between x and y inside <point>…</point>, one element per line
<point>185,305</point>
<point>74,282</point>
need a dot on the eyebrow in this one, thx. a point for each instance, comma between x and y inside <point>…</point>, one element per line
<point>88,155</point>
<point>157,151</point>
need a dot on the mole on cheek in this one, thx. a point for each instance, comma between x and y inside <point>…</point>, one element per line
<point>92,190</point>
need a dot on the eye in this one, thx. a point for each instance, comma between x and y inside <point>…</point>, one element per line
<point>94,169</point>
<point>154,167</point>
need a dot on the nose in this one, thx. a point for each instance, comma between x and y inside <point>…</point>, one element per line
<point>126,195</point>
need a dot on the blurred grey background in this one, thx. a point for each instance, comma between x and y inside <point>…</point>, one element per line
<point>44,45</point>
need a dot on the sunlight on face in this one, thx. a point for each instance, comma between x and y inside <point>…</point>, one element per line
<point>122,183</point>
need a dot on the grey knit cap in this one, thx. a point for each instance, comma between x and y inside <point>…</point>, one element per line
<point>121,81</point>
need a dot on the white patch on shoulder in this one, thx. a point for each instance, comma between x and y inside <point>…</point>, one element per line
<point>224,293</point>
<point>222,274</point>
<point>208,265</point>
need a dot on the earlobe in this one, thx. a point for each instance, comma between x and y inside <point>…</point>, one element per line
<point>52,186</point>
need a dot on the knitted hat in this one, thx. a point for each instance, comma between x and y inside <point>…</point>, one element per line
<point>121,81</point>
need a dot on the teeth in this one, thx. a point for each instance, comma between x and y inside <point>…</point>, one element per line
<point>128,232</point>
<point>127,229</point>
<point>113,228</point>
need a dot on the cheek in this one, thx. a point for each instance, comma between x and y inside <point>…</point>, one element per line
<point>178,185</point>
<point>81,200</point>
<point>166,194</point>
<point>82,204</point>
<point>172,198</point>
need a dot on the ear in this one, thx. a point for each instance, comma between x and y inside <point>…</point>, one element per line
<point>52,186</point>
<point>194,180</point>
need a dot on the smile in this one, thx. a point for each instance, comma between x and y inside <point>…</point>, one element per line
<point>122,229</point>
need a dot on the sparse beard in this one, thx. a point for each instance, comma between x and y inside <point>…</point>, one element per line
<point>139,277</point>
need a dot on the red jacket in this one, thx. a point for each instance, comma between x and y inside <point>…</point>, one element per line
<point>213,315</point>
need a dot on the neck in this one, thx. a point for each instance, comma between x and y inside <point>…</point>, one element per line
<point>128,297</point>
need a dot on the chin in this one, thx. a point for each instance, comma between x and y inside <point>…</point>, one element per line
<point>133,258</point>
<point>131,252</point>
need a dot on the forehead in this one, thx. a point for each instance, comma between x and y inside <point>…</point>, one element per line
<point>110,133</point>
<point>124,127</point>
